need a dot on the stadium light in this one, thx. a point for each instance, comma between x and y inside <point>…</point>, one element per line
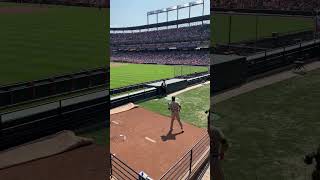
<point>183,6</point>
<point>150,12</point>
<point>199,1</point>
<point>173,8</point>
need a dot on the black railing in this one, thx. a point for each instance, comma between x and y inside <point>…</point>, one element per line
<point>24,125</point>
<point>121,171</point>
<point>13,94</point>
<point>282,57</point>
<point>184,168</point>
<point>266,43</point>
<point>190,162</point>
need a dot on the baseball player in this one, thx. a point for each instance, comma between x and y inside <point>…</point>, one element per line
<point>175,109</point>
<point>218,146</point>
<point>164,88</point>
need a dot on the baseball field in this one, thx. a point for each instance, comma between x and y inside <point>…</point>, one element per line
<point>244,27</point>
<point>42,41</point>
<point>123,74</point>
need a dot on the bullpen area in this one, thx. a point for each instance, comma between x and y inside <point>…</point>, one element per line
<point>140,139</point>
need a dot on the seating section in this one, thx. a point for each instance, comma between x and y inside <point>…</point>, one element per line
<point>189,57</point>
<point>164,38</point>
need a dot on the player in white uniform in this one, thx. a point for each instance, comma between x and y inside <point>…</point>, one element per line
<point>175,109</point>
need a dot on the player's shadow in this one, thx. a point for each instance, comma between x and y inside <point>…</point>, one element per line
<point>170,136</point>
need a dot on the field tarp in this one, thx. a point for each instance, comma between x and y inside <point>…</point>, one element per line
<point>47,146</point>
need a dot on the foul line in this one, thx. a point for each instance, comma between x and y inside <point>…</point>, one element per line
<point>115,122</point>
<point>149,139</point>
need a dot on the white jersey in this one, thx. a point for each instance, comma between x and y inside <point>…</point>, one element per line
<point>174,106</point>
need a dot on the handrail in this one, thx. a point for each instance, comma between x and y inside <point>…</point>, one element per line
<point>76,96</point>
<point>53,77</point>
<point>124,164</point>
<point>58,114</point>
<point>186,154</point>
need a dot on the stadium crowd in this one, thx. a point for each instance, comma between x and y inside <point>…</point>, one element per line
<point>154,46</point>
<point>190,57</point>
<point>192,33</point>
<point>304,5</point>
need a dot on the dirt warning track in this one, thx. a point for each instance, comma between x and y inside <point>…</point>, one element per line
<point>142,140</point>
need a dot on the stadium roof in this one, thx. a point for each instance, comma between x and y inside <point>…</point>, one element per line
<point>164,24</point>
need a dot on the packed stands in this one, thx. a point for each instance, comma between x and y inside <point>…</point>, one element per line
<point>300,5</point>
<point>155,46</point>
<point>179,42</point>
<point>182,34</point>
<point>177,57</point>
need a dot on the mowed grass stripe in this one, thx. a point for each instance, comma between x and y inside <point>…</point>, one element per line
<point>138,73</point>
<point>57,40</point>
<point>128,74</point>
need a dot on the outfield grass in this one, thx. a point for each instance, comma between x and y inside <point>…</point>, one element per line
<point>271,129</point>
<point>194,104</point>
<point>128,74</point>
<point>57,40</point>
<point>243,27</point>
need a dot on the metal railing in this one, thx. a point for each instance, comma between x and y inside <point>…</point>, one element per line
<point>121,171</point>
<point>282,57</point>
<point>24,92</point>
<point>190,162</point>
<point>24,125</point>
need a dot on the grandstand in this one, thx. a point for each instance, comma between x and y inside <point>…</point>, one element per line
<point>185,45</point>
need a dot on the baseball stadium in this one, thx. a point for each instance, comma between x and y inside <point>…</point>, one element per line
<point>265,76</point>
<point>54,80</point>
<point>143,58</point>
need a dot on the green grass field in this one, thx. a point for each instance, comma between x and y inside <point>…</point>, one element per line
<point>55,40</point>
<point>194,104</point>
<point>128,74</point>
<point>271,129</point>
<point>243,27</point>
